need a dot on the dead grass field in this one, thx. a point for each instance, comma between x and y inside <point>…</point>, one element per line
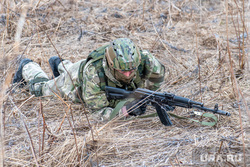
<point>191,38</point>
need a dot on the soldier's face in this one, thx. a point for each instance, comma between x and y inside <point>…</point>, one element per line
<point>126,73</point>
<point>125,76</point>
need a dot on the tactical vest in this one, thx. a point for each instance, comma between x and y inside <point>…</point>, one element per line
<point>97,56</point>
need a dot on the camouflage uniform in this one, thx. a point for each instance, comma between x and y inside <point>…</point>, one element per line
<point>89,77</point>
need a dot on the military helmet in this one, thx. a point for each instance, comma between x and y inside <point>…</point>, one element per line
<point>123,54</point>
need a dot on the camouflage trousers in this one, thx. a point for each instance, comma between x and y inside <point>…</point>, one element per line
<point>63,85</point>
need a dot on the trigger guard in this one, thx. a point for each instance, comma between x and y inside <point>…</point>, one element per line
<point>169,108</point>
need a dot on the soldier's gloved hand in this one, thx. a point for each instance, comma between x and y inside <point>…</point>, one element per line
<point>133,108</point>
<point>124,112</point>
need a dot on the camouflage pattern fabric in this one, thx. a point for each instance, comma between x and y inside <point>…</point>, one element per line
<point>61,85</point>
<point>92,92</point>
<point>123,55</point>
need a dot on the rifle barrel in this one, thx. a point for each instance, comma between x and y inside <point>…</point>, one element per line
<point>221,112</point>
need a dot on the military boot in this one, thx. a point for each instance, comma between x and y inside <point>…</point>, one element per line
<point>18,75</point>
<point>54,62</point>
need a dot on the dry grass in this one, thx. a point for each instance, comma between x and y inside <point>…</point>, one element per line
<point>39,132</point>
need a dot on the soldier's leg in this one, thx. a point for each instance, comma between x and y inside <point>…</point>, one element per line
<point>69,77</point>
<point>67,83</point>
<point>54,62</point>
<point>39,83</point>
<point>35,77</point>
<point>61,77</point>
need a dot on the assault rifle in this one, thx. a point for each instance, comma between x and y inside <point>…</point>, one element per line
<point>163,102</point>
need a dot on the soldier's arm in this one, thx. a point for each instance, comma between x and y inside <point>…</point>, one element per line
<point>154,71</point>
<point>93,96</point>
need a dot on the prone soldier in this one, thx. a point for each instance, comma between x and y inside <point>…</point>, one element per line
<point>118,64</point>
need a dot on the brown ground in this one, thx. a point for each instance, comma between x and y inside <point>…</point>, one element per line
<point>178,33</point>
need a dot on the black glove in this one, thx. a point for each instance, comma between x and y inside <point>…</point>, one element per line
<point>133,108</point>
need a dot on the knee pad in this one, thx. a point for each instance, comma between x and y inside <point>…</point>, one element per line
<point>36,85</point>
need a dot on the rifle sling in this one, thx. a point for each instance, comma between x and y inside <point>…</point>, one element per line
<point>208,115</point>
<point>119,107</point>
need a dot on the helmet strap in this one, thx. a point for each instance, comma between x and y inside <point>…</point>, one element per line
<point>109,72</point>
<point>110,62</point>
